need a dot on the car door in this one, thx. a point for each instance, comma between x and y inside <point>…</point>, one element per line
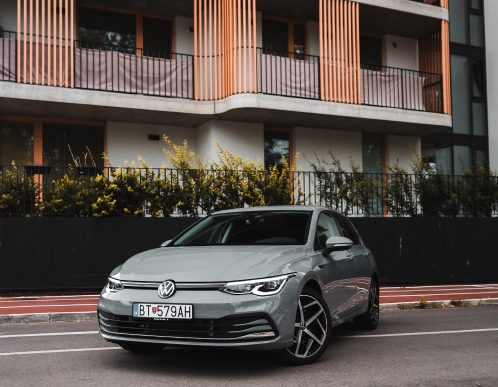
<point>361,263</point>
<point>337,270</point>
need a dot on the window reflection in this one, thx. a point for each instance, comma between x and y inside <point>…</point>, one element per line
<point>16,143</point>
<point>476,30</point>
<point>277,144</point>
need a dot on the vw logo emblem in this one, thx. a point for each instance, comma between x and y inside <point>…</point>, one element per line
<point>166,289</point>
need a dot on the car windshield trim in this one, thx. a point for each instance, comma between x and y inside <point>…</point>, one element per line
<point>300,224</point>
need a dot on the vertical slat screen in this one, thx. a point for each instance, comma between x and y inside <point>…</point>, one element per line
<point>445,39</point>
<point>430,62</point>
<point>224,48</point>
<point>444,4</point>
<point>45,40</point>
<point>339,30</point>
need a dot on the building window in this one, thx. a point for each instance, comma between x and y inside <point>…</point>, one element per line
<point>70,144</point>
<point>476,30</point>
<point>158,37</point>
<point>16,143</point>
<point>373,154</point>
<point>106,27</point>
<point>371,50</point>
<point>277,144</point>
<point>460,94</point>
<point>437,156</point>
<point>281,37</point>
<point>458,21</point>
<point>463,158</point>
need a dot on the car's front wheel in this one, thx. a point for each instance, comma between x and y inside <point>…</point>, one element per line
<point>141,348</point>
<point>370,319</point>
<point>311,329</point>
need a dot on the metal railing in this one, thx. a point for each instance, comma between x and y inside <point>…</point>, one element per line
<point>436,3</point>
<point>8,56</point>
<point>400,88</point>
<point>106,191</point>
<point>288,74</point>
<point>133,70</point>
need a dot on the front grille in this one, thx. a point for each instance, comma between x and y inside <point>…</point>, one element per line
<point>232,328</point>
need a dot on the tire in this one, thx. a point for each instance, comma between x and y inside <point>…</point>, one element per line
<point>370,319</point>
<point>311,332</point>
<point>142,348</point>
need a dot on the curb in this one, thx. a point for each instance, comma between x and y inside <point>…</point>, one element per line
<point>394,305</point>
<point>47,317</point>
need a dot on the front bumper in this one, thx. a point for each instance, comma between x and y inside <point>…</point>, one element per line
<point>220,319</point>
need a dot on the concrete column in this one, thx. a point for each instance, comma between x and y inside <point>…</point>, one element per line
<point>491,31</point>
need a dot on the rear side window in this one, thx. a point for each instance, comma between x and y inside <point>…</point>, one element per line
<point>347,229</point>
<point>325,228</point>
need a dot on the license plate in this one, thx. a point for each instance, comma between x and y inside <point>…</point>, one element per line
<point>163,311</point>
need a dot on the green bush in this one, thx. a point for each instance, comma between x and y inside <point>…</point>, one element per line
<point>19,193</point>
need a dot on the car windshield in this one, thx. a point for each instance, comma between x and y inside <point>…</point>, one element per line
<point>249,228</point>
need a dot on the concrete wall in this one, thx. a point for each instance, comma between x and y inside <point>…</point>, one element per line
<point>400,148</point>
<point>243,139</point>
<point>491,30</point>
<point>404,55</point>
<point>343,145</point>
<point>127,141</point>
<point>8,15</point>
<point>184,39</point>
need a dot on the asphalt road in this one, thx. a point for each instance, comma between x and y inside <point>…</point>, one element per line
<point>408,349</point>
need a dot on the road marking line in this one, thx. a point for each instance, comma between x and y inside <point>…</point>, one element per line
<point>57,351</point>
<point>435,294</point>
<point>51,334</point>
<point>50,313</point>
<point>418,333</point>
<point>43,306</point>
<point>438,301</point>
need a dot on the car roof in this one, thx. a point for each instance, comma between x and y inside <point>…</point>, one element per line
<point>275,208</point>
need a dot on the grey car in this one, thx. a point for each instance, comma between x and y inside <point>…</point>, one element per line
<point>269,278</point>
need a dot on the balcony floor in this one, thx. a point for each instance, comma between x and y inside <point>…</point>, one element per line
<point>86,105</point>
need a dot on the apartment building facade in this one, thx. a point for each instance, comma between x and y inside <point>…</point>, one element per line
<point>368,79</point>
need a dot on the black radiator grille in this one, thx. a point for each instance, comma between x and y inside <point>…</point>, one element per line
<point>233,328</point>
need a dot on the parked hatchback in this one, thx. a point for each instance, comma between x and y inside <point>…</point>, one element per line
<point>268,278</point>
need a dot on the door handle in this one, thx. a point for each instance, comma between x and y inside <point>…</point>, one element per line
<point>366,255</point>
<point>349,257</point>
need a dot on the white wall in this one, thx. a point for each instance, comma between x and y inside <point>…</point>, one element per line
<point>313,33</point>
<point>343,144</point>
<point>126,141</point>
<point>243,139</point>
<point>491,31</point>
<point>404,55</point>
<point>184,39</point>
<point>402,147</point>
<point>8,15</point>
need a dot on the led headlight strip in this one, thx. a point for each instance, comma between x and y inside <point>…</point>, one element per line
<point>261,287</point>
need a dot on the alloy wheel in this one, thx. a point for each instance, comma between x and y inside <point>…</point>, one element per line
<point>310,328</point>
<point>374,302</point>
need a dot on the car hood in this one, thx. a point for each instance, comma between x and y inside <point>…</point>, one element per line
<point>208,264</point>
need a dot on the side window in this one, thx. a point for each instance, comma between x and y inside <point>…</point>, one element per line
<point>325,228</point>
<point>347,230</point>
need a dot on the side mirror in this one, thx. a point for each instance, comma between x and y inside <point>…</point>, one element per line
<point>166,243</point>
<point>336,244</point>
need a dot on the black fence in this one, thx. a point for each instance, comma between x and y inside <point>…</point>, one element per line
<point>133,70</point>
<point>161,192</point>
<point>8,56</point>
<point>49,253</point>
<point>402,89</point>
<point>288,74</point>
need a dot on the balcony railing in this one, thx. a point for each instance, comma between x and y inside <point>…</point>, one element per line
<point>96,191</point>
<point>8,57</point>
<point>288,74</point>
<point>403,89</point>
<point>436,3</point>
<point>133,70</point>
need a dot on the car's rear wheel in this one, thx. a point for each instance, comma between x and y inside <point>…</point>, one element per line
<point>141,348</point>
<point>311,329</point>
<point>370,319</point>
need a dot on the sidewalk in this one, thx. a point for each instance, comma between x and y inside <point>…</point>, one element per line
<point>84,307</point>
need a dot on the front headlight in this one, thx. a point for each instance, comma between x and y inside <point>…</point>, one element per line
<point>260,287</point>
<point>114,285</point>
